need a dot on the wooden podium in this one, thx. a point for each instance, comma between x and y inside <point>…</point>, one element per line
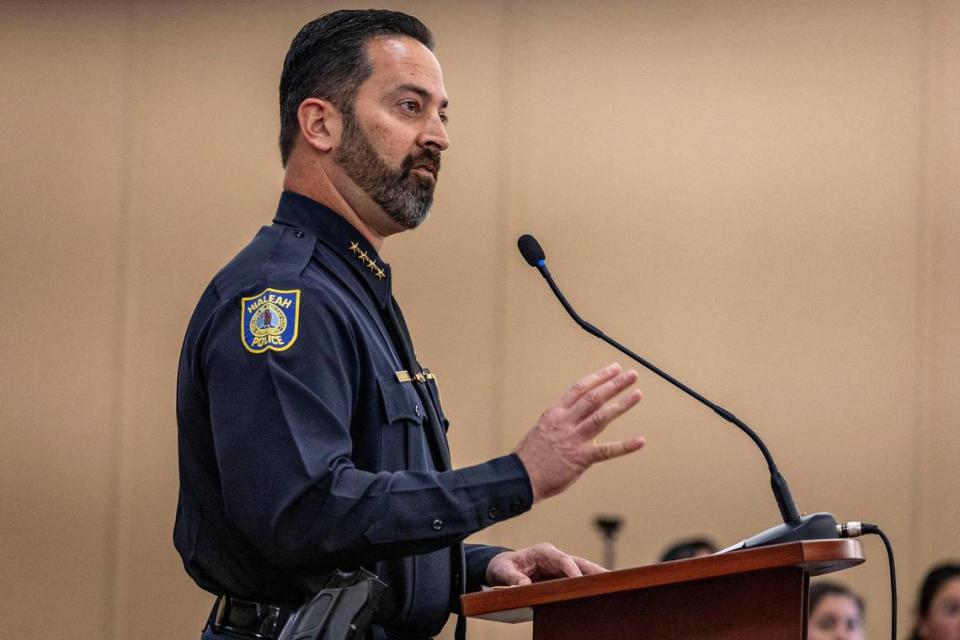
<point>759,593</point>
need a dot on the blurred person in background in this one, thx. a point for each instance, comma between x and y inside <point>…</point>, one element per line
<point>690,548</point>
<point>938,604</point>
<point>836,613</point>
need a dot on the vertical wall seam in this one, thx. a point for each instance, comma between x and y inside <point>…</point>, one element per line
<point>111,574</point>
<point>922,336</point>
<point>501,306</point>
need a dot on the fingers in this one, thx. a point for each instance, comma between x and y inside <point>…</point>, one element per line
<point>595,398</point>
<point>596,422</point>
<point>510,577</point>
<point>560,447</point>
<point>504,569</point>
<point>554,563</point>
<point>587,383</point>
<point>542,561</point>
<point>587,567</point>
<point>610,450</point>
<point>568,566</point>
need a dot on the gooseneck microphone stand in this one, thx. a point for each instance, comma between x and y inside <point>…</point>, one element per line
<point>816,526</point>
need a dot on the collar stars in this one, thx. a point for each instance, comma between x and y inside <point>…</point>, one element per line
<point>367,262</point>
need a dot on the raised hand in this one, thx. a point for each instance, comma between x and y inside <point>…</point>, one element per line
<point>561,446</point>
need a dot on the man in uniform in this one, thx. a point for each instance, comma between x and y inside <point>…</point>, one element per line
<point>310,437</point>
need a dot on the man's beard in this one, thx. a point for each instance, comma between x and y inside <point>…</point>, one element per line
<point>404,196</point>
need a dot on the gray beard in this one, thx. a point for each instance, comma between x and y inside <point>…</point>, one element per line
<point>404,196</point>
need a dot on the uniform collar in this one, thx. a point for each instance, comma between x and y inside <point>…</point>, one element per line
<point>340,236</point>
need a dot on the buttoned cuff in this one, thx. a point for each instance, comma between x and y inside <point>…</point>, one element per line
<point>500,489</point>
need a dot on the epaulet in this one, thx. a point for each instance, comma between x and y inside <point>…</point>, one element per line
<point>291,253</point>
<point>276,253</point>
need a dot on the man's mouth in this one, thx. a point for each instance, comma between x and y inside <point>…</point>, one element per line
<point>426,168</point>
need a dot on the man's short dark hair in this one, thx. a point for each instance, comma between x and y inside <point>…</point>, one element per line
<point>328,60</point>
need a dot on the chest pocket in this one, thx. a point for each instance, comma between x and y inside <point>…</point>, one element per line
<point>403,440</point>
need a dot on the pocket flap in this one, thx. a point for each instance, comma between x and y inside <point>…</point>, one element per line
<point>400,400</point>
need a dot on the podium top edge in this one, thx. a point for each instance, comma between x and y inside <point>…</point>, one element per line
<point>815,557</point>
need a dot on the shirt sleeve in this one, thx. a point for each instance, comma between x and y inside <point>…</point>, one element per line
<point>281,425</point>
<point>478,556</point>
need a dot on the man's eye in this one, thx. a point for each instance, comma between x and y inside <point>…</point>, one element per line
<point>410,106</point>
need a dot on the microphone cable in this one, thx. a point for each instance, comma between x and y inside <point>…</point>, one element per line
<point>857,529</point>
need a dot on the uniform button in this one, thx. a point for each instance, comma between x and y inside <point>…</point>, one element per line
<point>299,234</point>
<point>437,524</point>
<point>516,506</point>
<point>492,513</point>
<point>416,410</point>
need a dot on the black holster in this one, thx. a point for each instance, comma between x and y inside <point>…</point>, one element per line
<point>342,610</point>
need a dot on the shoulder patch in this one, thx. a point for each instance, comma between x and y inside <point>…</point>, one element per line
<point>270,320</point>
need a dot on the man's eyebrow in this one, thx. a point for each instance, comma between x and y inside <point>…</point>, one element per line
<point>420,91</point>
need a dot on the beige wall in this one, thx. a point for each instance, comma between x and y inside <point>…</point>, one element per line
<point>760,197</point>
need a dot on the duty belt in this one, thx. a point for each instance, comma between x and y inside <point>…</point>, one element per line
<point>265,621</point>
<point>248,619</point>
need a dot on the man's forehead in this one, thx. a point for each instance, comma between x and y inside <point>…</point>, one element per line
<point>401,62</point>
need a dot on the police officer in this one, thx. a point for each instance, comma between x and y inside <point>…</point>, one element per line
<point>310,437</point>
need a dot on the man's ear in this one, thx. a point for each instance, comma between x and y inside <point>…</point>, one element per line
<point>320,124</point>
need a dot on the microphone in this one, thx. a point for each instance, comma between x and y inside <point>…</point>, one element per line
<point>815,526</point>
<point>531,250</point>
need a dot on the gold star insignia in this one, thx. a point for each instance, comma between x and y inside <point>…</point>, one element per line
<point>367,261</point>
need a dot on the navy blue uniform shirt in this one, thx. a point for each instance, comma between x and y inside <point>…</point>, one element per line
<point>305,441</point>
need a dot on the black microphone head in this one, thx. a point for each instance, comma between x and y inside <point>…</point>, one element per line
<point>531,250</point>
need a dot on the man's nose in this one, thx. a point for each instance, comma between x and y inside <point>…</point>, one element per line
<point>434,135</point>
